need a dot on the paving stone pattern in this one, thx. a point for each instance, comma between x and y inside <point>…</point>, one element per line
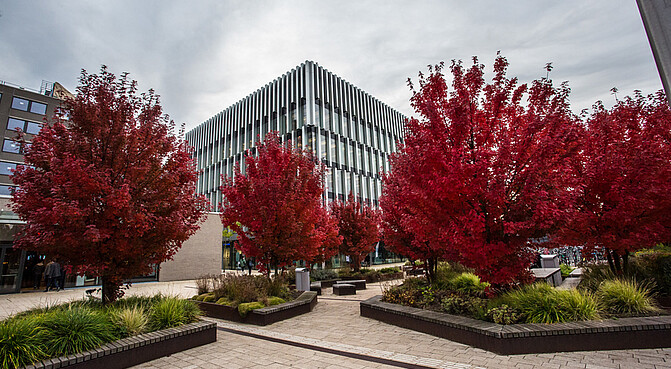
<point>335,322</point>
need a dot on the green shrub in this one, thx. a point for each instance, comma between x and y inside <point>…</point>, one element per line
<point>623,297</point>
<point>209,297</point>
<point>289,274</point>
<point>171,312</point>
<point>245,308</point>
<point>20,343</point>
<point>225,301</point>
<point>322,274</point>
<point>593,275</point>
<point>409,293</point>
<point>464,305</point>
<point>448,271</point>
<point>246,288</point>
<point>75,329</point>
<point>389,270</point>
<point>274,300</point>
<point>131,320</point>
<point>539,302</point>
<point>142,302</point>
<point>579,305</point>
<point>504,314</point>
<point>468,283</point>
<point>655,266</point>
<point>565,270</point>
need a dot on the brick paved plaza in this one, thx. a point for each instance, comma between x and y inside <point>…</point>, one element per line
<point>333,335</point>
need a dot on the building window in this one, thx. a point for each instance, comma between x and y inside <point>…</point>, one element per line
<point>322,146</point>
<point>14,124</point>
<point>6,168</point>
<point>33,128</point>
<point>38,108</point>
<point>11,146</point>
<point>20,104</point>
<point>333,157</point>
<point>27,105</point>
<point>6,190</point>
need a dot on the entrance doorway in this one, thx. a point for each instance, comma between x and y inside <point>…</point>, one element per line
<point>11,267</point>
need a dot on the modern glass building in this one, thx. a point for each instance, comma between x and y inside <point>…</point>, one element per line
<point>351,131</point>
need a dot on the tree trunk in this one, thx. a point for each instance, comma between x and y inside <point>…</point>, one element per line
<point>610,261</point>
<point>618,263</point>
<point>625,262</point>
<point>431,265</point>
<point>356,263</point>
<point>111,289</point>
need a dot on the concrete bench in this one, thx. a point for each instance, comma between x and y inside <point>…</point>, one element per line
<point>344,289</point>
<point>316,287</point>
<point>550,275</point>
<point>360,284</point>
<point>329,282</point>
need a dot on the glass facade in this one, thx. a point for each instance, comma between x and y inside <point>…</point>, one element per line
<point>348,129</point>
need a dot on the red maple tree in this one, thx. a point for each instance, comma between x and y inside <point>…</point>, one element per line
<point>482,172</point>
<point>358,226</point>
<point>625,197</point>
<point>275,207</point>
<point>109,191</point>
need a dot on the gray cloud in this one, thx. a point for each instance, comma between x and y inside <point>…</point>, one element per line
<point>203,56</point>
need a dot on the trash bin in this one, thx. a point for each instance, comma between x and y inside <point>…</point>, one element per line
<point>302,279</point>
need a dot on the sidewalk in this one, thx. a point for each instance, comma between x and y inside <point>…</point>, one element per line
<point>335,324</point>
<point>334,335</point>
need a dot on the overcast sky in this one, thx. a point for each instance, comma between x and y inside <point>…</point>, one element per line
<point>203,56</point>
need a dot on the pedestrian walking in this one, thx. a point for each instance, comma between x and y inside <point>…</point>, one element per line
<point>250,265</point>
<point>52,274</point>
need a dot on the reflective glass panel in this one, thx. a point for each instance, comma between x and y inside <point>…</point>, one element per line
<point>6,168</point>
<point>33,128</point>
<point>20,104</point>
<point>11,146</point>
<point>15,124</point>
<point>38,108</point>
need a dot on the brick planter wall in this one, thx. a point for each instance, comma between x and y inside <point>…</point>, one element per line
<point>137,349</point>
<point>624,333</point>
<point>264,316</point>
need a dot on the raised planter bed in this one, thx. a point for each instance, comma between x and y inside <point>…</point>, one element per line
<point>372,279</point>
<point>264,316</point>
<point>137,349</point>
<point>624,333</point>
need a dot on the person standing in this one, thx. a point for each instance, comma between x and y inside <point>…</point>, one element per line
<point>61,281</point>
<point>38,269</point>
<point>250,265</point>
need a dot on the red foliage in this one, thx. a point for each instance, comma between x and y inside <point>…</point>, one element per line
<point>626,191</point>
<point>276,208</point>
<point>481,173</point>
<point>110,191</point>
<point>358,225</point>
